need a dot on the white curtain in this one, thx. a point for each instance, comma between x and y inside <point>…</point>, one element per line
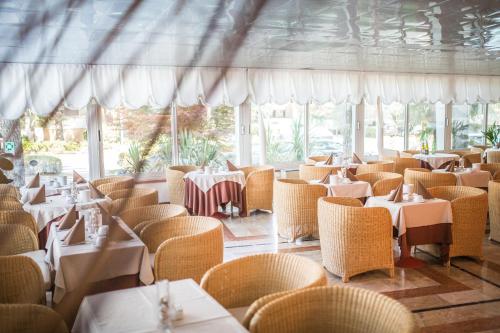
<point>44,87</point>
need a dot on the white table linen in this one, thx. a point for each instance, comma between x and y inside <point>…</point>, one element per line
<point>136,310</point>
<point>356,189</point>
<point>437,159</point>
<point>469,177</point>
<point>72,263</point>
<point>409,214</point>
<point>206,181</point>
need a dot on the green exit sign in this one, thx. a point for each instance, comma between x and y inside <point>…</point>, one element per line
<point>9,147</point>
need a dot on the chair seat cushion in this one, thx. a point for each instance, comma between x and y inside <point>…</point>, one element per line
<point>38,257</point>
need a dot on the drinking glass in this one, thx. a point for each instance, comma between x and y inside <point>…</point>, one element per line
<point>163,294</point>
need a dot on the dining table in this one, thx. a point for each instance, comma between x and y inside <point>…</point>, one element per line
<point>205,192</point>
<point>435,160</point>
<point>347,188</point>
<point>137,310</point>
<point>469,177</point>
<point>418,223</point>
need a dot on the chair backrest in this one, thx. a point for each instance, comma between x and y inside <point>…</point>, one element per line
<point>9,190</point>
<point>15,239</point>
<point>381,182</point>
<point>23,318</point>
<point>491,167</point>
<point>175,182</point>
<point>311,172</point>
<point>10,203</point>
<point>115,183</point>
<point>375,166</point>
<point>430,179</point>
<point>18,217</point>
<point>493,157</point>
<point>402,163</point>
<point>334,309</point>
<point>242,281</point>
<point>132,198</point>
<point>132,217</point>
<point>409,153</point>
<point>470,159</point>
<point>316,159</point>
<point>494,209</point>
<point>21,281</point>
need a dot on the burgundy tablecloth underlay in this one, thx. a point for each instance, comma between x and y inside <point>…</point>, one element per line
<point>43,234</point>
<point>439,234</point>
<point>200,203</point>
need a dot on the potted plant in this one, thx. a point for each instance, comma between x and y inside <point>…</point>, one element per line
<point>492,135</point>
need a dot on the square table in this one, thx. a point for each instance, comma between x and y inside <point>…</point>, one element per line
<point>469,177</point>
<point>73,263</point>
<point>136,310</point>
<point>428,222</point>
<point>357,189</point>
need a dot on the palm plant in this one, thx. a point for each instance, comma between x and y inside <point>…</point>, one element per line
<point>135,160</point>
<point>297,140</point>
<point>492,134</point>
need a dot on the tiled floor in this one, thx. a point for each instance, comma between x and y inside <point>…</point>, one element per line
<point>463,298</point>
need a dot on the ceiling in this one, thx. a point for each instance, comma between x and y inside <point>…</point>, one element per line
<point>460,37</point>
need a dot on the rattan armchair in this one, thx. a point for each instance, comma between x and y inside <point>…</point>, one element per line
<point>354,239</point>
<point>15,239</point>
<point>137,218</point>
<point>381,182</point>
<point>114,183</point>
<point>375,166</point>
<point>131,198</point>
<point>7,190</point>
<point>494,208</point>
<point>491,167</point>
<point>185,247</point>
<point>316,159</point>
<point>312,172</point>
<point>493,157</point>
<point>403,163</point>
<point>409,153</point>
<point>18,217</point>
<point>334,309</point>
<point>26,318</point>
<point>296,208</point>
<point>429,179</point>
<point>470,159</point>
<point>470,208</point>
<point>258,190</point>
<point>244,282</point>
<point>21,281</point>
<point>10,203</point>
<point>175,182</point>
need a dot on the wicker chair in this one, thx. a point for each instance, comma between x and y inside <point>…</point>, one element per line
<point>494,208</point>
<point>21,281</point>
<point>381,182</point>
<point>470,159</point>
<point>311,172</point>
<point>25,318</point>
<point>110,184</point>
<point>375,166</point>
<point>491,167</point>
<point>493,157</point>
<point>316,159</point>
<point>138,218</point>
<point>354,239</point>
<point>258,189</point>
<point>334,309</point>
<point>430,179</point>
<point>185,247</point>
<point>402,163</point>
<point>459,152</point>
<point>296,207</point>
<point>175,182</point>
<point>252,280</point>
<point>470,208</point>
<point>9,191</point>
<point>10,204</point>
<point>15,239</point>
<point>18,217</point>
<point>132,198</point>
<point>409,153</point>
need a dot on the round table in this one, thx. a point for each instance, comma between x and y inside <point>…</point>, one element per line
<point>437,159</point>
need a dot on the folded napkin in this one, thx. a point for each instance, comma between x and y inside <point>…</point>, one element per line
<point>420,189</point>
<point>95,193</point>
<point>326,179</point>
<point>76,234</point>
<point>39,197</point>
<point>68,220</point>
<point>356,159</point>
<point>116,232</point>
<point>329,161</point>
<point>397,192</point>
<point>450,167</point>
<point>231,166</point>
<point>105,214</point>
<point>351,176</point>
<point>77,178</point>
<point>34,182</point>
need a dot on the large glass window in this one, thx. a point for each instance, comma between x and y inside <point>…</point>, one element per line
<point>330,129</point>
<point>370,141</point>
<point>55,146</point>
<point>494,114</point>
<point>467,124</point>
<point>394,126</point>
<point>426,124</point>
<point>206,135</point>
<point>136,141</point>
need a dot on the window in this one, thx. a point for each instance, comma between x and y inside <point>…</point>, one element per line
<point>394,126</point>
<point>467,124</point>
<point>370,133</point>
<point>55,146</point>
<point>206,135</point>
<point>127,135</point>
<point>280,129</point>
<point>494,114</point>
<point>426,124</point>
<point>330,129</point>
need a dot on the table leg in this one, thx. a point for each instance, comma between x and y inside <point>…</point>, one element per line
<point>406,260</point>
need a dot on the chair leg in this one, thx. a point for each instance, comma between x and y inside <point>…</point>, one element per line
<point>391,272</point>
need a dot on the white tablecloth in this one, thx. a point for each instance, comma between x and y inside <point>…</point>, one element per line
<point>55,206</point>
<point>468,177</point>
<point>437,159</point>
<point>205,182</point>
<point>412,214</point>
<point>357,189</point>
<point>49,190</point>
<point>72,263</point>
<point>136,310</point>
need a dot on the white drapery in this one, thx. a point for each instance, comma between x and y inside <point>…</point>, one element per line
<point>43,87</point>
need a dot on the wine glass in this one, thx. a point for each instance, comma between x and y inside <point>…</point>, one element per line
<point>163,294</point>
